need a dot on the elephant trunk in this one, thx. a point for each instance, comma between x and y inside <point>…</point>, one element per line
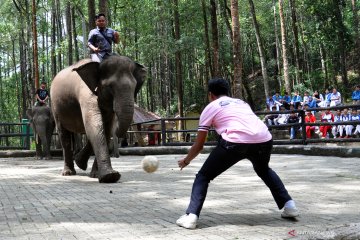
<point>124,110</point>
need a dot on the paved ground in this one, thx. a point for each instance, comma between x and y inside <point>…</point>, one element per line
<point>36,202</point>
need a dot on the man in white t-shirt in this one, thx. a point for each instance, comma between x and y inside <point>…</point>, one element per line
<point>335,98</point>
<point>242,135</point>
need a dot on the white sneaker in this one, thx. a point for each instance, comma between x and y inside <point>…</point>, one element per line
<point>187,221</point>
<point>290,212</point>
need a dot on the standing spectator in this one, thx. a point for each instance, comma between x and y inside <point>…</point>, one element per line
<point>296,100</point>
<point>42,95</point>
<point>335,98</point>
<point>101,39</point>
<point>356,95</point>
<point>326,116</point>
<point>309,118</point>
<point>242,135</point>
<point>345,117</point>
<point>293,118</point>
<point>336,128</point>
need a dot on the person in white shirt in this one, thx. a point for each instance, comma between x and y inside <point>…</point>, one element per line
<point>345,117</point>
<point>335,98</point>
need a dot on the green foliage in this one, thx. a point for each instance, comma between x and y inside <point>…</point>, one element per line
<point>147,33</point>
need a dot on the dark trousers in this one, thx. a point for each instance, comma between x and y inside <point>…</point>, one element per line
<point>224,156</point>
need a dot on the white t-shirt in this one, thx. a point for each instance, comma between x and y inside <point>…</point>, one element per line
<point>234,120</point>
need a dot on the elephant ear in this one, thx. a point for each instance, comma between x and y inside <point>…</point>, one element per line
<point>139,74</point>
<point>89,73</point>
<point>29,114</point>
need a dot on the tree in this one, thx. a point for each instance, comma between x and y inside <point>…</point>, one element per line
<point>260,49</point>
<point>35,47</point>
<point>215,39</point>
<point>284,48</point>
<point>178,62</point>
<point>237,58</point>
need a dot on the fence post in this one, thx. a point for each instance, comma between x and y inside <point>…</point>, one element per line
<point>163,132</point>
<point>303,127</point>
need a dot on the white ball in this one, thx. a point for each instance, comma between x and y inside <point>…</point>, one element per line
<point>150,164</point>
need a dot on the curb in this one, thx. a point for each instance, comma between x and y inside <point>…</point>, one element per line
<point>313,150</point>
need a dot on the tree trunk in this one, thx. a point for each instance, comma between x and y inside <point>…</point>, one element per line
<point>296,41</point>
<point>284,48</point>
<point>260,49</point>
<point>53,39</point>
<point>76,45</point>
<point>323,66</point>
<point>226,16</point>
<point>178,64</point>
<point>215,39</point>
<point>237,58</point>
<point>277,48</point>
<point>59,34</point>
<point>208,66</point>
<point>356,57</point>
<point>35,47</point>
<point>69,33</point>
<point>341,40</point>
<point>91,14</point>
<point>104,8</point>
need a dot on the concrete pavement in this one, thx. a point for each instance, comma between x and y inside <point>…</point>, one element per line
<point>36,202</point>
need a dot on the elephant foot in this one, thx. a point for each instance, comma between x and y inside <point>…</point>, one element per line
<point>111,177</point>
<point>68,172</point>
<point>48,158</point>
<point>80,161</point>
<point>93,174</point>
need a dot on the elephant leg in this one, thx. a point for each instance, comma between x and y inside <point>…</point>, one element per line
<point>114,146</point>
<point>65,137</point>
<point>99,138</point>
<point>39,152</point>
<point>94,170</point>
<point>82,157</point>
<point>46,147</point>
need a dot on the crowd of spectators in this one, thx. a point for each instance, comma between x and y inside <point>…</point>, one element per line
<point>307,102</point>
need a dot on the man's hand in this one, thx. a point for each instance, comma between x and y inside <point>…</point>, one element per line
<point>96,50</point>
<point>182,163</point>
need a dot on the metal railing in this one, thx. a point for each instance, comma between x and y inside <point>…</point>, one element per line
<point>18,135</point>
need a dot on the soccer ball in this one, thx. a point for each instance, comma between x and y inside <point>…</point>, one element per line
<point>150,164</point>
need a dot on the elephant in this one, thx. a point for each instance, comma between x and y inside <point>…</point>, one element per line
<point>85,99</point>
<point>43,124</point>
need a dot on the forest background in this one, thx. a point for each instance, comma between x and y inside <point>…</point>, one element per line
<point>259,46</point>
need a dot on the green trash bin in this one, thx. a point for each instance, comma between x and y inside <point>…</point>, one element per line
<point>25,140</point>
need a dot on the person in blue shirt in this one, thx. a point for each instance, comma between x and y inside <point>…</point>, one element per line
<point>286,100</point>
<point>101,39</point>
<point>356,95</point>
<point>296,100</point>
<point>277,99</point>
